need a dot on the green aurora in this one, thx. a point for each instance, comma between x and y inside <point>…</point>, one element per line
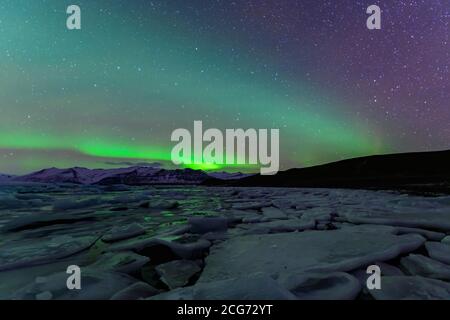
<point>117,89</point>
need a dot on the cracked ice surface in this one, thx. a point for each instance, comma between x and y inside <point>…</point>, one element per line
<point>239,243</point>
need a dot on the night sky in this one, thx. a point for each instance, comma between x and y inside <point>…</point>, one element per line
<point>114,91</point>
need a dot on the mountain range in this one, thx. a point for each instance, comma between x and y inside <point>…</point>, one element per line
<point>420,171</point>
<point>135,175</point>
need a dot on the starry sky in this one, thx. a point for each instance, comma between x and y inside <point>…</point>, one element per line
<point>113,92</point>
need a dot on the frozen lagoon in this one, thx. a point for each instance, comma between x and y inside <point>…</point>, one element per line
<point>190,242</point>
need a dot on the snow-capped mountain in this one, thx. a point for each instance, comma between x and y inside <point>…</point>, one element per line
<point>142,176</point>
<point>132,176</point>
<point>228,176</point>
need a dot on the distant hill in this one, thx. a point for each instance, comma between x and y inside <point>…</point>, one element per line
<point>413,171</point>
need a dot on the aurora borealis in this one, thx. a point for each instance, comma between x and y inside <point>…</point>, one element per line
<point>139,69</point>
